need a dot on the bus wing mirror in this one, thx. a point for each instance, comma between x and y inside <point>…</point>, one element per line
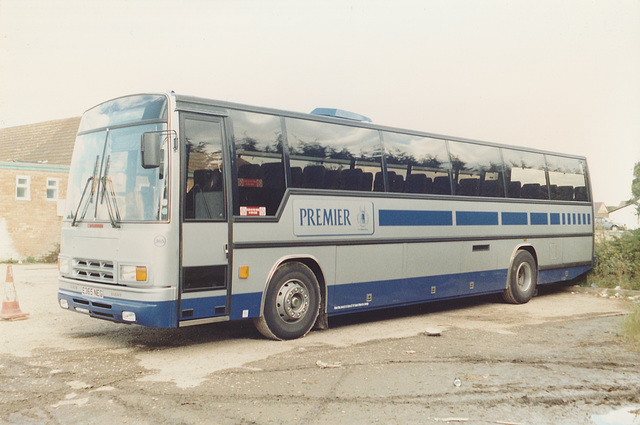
<point>151,150</point>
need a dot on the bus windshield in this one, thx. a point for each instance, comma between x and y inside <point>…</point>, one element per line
<point>106,177</point>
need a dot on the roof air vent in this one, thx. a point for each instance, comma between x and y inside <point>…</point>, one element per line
<point>339,113</point>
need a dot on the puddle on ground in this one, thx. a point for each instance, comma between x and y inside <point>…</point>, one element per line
<point>629,415</point>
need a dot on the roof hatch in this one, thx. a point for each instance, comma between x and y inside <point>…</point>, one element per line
<point>339,113</point>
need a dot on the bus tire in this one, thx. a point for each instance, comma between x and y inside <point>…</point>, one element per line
<point>523,279</point>
<point>292,303</point>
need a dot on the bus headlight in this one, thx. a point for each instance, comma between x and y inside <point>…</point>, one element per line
<point>64,264</point>
<point>133,273</point>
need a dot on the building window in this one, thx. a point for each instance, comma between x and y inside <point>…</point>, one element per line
<point>23,188</point>
<point>52,189</point>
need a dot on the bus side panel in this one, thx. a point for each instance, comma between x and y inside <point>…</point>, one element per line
<point>408,273</point>
<point>246,301</point>
<point>428,248</point>
<point>577,249</point>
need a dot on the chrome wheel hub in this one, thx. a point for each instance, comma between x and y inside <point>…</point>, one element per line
<point>524,276</point>
<point>292,301</point>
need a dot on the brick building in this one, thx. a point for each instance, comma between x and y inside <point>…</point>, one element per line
<point>34,166</point>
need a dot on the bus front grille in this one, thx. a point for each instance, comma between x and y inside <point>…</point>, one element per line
<point>93,270</point>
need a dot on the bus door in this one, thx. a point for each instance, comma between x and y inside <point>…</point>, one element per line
<point>204,277</point>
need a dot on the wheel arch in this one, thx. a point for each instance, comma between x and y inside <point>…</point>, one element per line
<point>313,264</point>
<point>523,247</point>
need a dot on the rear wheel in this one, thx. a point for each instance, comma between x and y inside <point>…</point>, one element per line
<point>292,303</point>
<point>523,279</point>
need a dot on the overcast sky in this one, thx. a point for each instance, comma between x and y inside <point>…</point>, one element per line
<point>555,75</point>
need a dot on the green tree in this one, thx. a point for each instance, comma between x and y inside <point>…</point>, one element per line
<point>635,186</point>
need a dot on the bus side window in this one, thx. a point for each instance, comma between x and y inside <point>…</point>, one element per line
<point>478,170</point>
<point>260,181</point>
<point>416,164</point>
<point>567,177</point>
<point>525,174</point>
<point>333,157</point>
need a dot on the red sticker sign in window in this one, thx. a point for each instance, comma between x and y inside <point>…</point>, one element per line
<point>250,182</point>
<point>253,211</point>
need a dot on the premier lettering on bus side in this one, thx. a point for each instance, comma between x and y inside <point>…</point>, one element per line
<point>324,217</point>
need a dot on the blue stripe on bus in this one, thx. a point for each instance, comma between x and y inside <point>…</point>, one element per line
<point>476,218</point>
<point>415,218</point>
<point>353,297</point>
<point>349,298</point>
<point>562,274</point>
<point>514,218</point>
<point>539,218</point>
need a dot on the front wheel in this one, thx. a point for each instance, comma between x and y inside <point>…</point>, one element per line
<point>292,303</point>
<point>523,279</point>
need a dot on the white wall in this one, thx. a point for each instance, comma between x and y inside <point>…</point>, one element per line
<point>6,244</point>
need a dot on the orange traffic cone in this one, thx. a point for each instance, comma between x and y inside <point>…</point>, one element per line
<point>10,306</point>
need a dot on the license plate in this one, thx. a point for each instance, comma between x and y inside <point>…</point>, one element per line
<point>92,292</point>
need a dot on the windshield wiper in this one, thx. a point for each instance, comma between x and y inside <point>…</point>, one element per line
<point>107,189</point>
<point>99,179</point>
<point>91,179</point>
<point>112,205</point>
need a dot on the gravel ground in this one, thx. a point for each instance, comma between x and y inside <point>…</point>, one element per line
<point>557,360</point>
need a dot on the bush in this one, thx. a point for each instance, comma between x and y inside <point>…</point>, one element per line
<point>9,261</point>
<point>618,261</point>
<point>631,327</point>
<point>51,256</point>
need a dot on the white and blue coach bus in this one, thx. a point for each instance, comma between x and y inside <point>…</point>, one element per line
<point>183,211</point>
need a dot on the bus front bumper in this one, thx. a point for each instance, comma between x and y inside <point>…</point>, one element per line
<point>130,307</point>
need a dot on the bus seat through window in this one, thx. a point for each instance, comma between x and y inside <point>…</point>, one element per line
<point>296,176</point>
<point>468,187</point>
<point>441,185</point>
<point>313,176</point>
<point>492,188</point>
<point>272,185</point>
<point>581,194</point>
<point>351,179</point>
<point>378,182</point>
<point>331,179</point>
<point>416,183</point>
<point>565,193</point>
<point>515,189</point>
<point>367,181</point>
